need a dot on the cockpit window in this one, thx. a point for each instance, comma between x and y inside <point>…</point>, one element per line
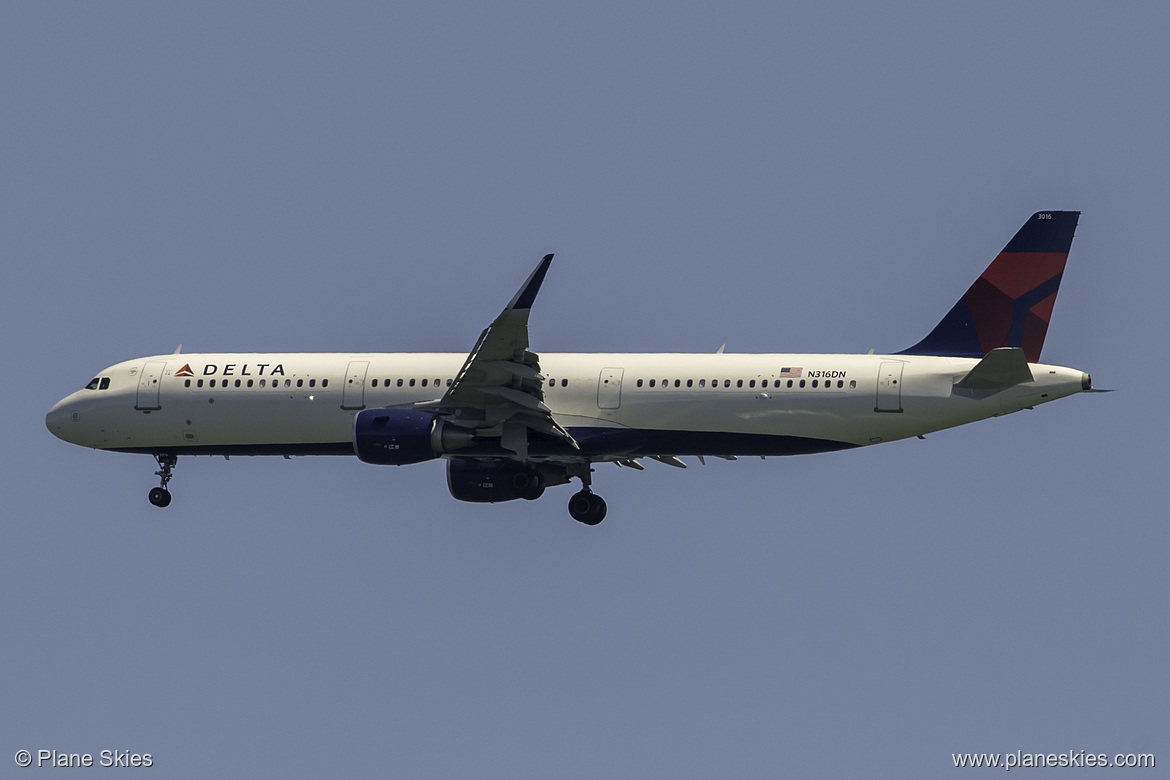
<point>105,385</point>
<point>92,385</point>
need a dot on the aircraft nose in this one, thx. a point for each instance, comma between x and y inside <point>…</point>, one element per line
<point>60,417</point>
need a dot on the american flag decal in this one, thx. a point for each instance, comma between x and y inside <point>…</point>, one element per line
<point>791,373</point>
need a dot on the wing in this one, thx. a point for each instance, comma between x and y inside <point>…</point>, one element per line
<point>500,390</point>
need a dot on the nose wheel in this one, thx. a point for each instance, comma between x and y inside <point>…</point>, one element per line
<point>160,496</point>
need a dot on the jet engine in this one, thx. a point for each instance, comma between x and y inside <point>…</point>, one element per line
<point>489,481</point>
<point>396,437</point>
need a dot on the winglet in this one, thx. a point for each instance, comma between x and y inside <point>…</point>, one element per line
<point>1003,367</point>
<point>527,293</point>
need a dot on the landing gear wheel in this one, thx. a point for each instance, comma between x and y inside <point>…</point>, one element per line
<point>160,496</point>
<point>587,507</point>
<point>528,484</point>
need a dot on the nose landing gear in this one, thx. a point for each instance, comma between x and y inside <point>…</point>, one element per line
<point>160,496</point>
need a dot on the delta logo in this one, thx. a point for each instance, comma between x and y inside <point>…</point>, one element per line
<point>185,371</point>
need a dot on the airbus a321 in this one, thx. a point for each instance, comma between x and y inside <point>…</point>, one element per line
<point>511,422</point>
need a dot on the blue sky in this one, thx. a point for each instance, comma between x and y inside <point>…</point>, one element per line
<point>383,177</point>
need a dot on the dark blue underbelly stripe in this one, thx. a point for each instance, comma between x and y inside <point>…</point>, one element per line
<point>594,443</point>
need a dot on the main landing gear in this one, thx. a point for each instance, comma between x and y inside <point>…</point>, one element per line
<point>160,496</point>
<point>586,506</point>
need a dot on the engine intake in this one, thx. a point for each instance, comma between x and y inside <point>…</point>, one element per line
<point>396,437</point>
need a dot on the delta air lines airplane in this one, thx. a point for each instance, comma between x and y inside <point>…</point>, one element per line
<point>511,422</point>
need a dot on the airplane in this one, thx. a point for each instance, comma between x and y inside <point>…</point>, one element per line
<point>511,422</point>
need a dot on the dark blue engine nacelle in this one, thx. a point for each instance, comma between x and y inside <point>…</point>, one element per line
<point>396,437</point>
<point>489,481</point>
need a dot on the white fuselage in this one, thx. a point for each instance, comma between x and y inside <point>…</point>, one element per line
<point>681,404</point>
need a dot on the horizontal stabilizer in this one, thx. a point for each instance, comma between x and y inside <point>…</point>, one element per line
<point>1003,367</point>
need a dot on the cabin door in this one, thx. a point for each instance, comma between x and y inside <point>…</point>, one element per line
<point>149,385</point>
<point>889,388</point>
<point>353,396</point>
<point>609,388</point>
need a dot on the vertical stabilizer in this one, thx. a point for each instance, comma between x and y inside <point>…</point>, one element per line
<point>1011,302</point>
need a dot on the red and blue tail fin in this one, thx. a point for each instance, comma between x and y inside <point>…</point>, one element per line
<point>1010,304</point>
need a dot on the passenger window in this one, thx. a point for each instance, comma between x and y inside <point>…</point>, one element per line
<point>300,383</point>
<point>385,383</point>
<point>739,383</point>
<point>187,383</point>
<point>324,383</point>
<point>288,383</point>
<point>237,383</point>
<point>412,382</point>
<point>450,382</point>
<point>639,383</point>
<point>677,382</point>
<point>249,383</point>
<point>852,384</point>
<point>727,382</point>
<point>840,383</point>
<point>814,383</point>
<point>690,383</point>
<point>702,383</point>
<point>264,383</point>
<point>424,383</point>
<point>553,383</point>
<point>564,383</point>
<point>211,383</point>
<point>399,383</point>
<point>373,383</point>
<point>312,382</point>
<point>652,383</point>
<point>790,383</point>
<point>752,383</point>
<point>199,383</point>
<point>802,383</point>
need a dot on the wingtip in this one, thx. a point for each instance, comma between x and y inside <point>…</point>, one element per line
<point>527,293</point>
